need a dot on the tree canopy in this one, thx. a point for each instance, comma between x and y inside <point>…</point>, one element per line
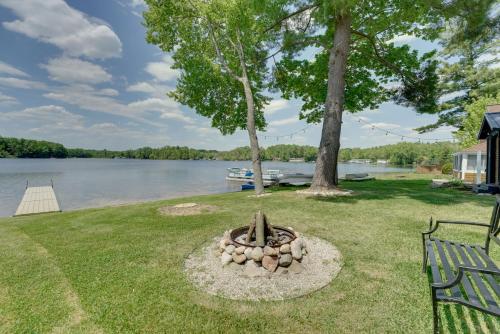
<point>468,69</point>
<point>377,69</point>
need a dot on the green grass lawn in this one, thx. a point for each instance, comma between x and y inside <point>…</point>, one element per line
<point>120,269</point>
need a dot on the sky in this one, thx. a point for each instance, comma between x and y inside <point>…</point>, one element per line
<point>81,73</point>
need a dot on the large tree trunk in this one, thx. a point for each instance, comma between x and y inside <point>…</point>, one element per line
<point>325,175</point>
<point>252,134</point>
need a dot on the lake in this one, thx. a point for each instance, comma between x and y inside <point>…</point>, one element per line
<point>84,183</point>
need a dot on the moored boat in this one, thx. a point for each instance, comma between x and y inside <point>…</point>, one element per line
<point>296,179</point>
<point>269,176</point>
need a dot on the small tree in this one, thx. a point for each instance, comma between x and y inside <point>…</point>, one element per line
<point>220,49</point>
<point>469,63</point>
<point>474,114</point>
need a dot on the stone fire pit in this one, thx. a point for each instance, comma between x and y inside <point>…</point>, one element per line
<point>263,262</point>
<point>261,244</point>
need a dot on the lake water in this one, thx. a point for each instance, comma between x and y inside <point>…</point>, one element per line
<point>83,183</point>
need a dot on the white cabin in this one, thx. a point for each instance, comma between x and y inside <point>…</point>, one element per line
<point>469,164</point>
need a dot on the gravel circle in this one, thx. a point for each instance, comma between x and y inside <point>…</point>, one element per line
<point>321,265</point>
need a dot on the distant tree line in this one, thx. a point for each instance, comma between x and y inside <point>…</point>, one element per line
<point>397,154</point>
<point>26,148</point>
<point>404,153</point>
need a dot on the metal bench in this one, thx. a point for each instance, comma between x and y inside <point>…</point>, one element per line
<point>462,273</point>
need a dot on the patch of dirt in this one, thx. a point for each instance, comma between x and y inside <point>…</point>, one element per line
<point>325,193</point>
<point>321,266</point>
<point>258,196</point>
<point>187,209</point>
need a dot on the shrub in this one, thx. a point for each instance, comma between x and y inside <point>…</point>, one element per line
<point>447,168</point>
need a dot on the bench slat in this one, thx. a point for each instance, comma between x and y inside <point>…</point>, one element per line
<point>478,280</point>
<point>436,275</point>
<point>485,257</point>
<point>471,294</point>
<point>490,278</point>
<point>455,291</point>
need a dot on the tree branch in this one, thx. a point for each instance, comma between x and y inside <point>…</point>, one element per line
<point>222,60</point>
<point>381,58</point>
<point>241,55</point>
<point>298,11</point>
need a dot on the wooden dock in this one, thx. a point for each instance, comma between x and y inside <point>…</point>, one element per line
<point>38,200</point>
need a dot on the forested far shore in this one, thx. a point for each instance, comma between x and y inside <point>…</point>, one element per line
<point>403,153</point>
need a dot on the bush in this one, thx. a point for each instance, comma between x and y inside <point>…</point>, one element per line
<point>447,168</point>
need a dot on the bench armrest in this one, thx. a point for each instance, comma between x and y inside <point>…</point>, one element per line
<point>434,228</point>
<point>461,271</point>
<point>461,223</point>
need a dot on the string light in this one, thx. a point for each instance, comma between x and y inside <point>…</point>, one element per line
<point>288,135</point>
<point>390,132</point>
<point>373,127</point>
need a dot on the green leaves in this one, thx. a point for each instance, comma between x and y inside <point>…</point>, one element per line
<point>377,70</point>
<point>474,113</point>
<point>205,37</point>
<point>471,42</point>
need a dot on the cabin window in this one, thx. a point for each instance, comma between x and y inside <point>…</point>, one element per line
<point>457,164</point>
<point>471,162</point>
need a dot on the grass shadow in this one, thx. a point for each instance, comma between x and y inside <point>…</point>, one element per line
<point>460,319</point>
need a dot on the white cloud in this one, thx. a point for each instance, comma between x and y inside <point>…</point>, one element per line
<point>179,116</point>
<point>166,108</point>
<point>56,23</point>
<point>276,105</point>
<point>285,121</point>
<point>6,99</point>
<point>88,98</point>
<point>71,70</point>
<point>143,87</point>
<point>137,3</point>
<point>153,89</point>
<point>54,117</point>
<point>108,92</point>
<point>55,123</point>
<point>403,39</point>
<point>153,104</point>
<point>202,130</point>
<point>11,70</point>
<point>162,70</point>
<point>21,83</point>
<point>381,125</point>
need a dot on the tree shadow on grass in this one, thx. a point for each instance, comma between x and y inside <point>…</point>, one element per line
<point>419,190</point>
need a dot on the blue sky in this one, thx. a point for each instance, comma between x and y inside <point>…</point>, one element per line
<point>81,73</point>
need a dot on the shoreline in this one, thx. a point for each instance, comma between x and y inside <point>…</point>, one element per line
<point>115,204</point>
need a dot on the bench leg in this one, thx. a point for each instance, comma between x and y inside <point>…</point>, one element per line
<point>424,259</point>
<point>435,314</point>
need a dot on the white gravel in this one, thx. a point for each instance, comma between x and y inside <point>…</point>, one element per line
<point>321,265</point>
